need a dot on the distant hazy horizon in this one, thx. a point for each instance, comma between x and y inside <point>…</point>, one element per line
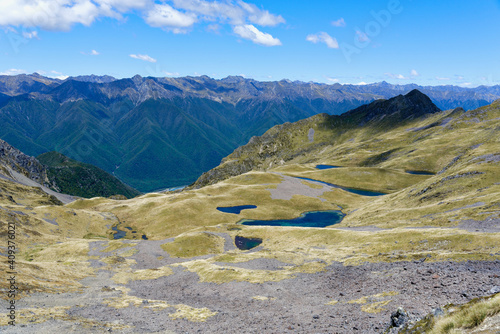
<point>248,78</point>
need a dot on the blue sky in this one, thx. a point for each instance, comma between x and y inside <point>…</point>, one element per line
<point>399,41</point>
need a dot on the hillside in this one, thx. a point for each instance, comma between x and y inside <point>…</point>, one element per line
<point>78,179</point>
<point>154,133</point>
<point>428,237</point>
<point>286,142</point>
<point>58,175</point>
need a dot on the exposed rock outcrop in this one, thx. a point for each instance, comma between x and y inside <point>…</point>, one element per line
<point>12,158</point>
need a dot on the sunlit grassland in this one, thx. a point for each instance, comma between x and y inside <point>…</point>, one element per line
<point>168,215</point>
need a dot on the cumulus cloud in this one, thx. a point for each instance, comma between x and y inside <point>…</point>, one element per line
<point>143,57</point>
<point>165,16</point>
<point>124,5</point>
<point>225,11</point>
<point>50,15</point>
<point>175,15</point>
<point>63,14</point>
<point>253,34</point>
<point>414,73</point>
<point>259,16</point>
<point>323,37</point>
<point>13,71</point>
<point>339,23</point>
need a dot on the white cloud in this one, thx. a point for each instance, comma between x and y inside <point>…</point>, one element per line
<point>50,15</point>
<point>362,37</point>
<point>91,53</point>
<point>339,23</point>
<point>414,73</point>
<point>173,15</point>
<point>30,34</point>
<point>58,75</point>
<point>124,5</point>
<point>323,37</point>
<point>333,80</point>
<point>213,10</point>
<point>396,76</point>
<point>227,11</point>
<point>442,78</point>
<point>13,71</point>
<point>143,57</point>
<point>249,32</point>
<point>261,17</point>
<point>164,16</point>
<point>466,84</point>
<point>362,83</point>
<point>63,14</point>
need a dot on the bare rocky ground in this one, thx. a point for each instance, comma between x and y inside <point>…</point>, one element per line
<point>297,305</point>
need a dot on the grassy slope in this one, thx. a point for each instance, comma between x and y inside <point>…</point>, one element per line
<point>51,240</point>
<point>84,180</point>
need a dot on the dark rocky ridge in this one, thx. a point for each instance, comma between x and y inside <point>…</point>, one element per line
<point>84,180</point>
<point>23,164</point>
<point>62,174</point>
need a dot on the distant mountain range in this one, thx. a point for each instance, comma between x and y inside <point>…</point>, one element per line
<point>158,132</point>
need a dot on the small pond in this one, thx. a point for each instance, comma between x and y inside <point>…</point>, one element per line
<point>235,209</point>
<point>121,234</point>
<point>246,243</point>
<point>327,166</point>
<point>307,219</point>
<point>351,190</point>
<point>419,172</point>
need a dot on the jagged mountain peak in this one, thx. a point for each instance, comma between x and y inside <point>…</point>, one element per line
<point>233,79</point>
<point>401,107</point>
